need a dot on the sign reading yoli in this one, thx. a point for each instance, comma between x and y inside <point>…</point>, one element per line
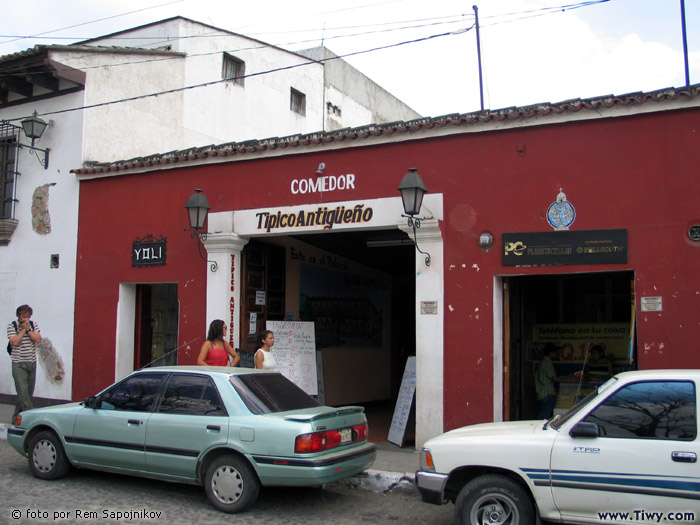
<point>321,216</point>
<point>565,247</point>
<point>148,251</point>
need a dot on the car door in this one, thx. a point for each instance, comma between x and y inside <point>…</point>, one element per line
<point>114,433</point>
<point>189,420</point>
<point>643,460</point>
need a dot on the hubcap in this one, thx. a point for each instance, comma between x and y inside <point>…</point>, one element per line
<point>493,508</point>
<point>44,456</point>
<point>227,484</point>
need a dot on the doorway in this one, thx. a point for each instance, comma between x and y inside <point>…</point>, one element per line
<point>575,313</point>
<point>358,288</point>
<point>156,325</point>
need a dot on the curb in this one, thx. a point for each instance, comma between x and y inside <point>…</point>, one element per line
<point>381,481</point>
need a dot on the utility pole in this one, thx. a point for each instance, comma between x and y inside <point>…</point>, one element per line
<point>478,53</point>
<point>685,44</point>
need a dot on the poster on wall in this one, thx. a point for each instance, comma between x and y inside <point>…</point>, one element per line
<point>295,353</point>
<point>576,339</point>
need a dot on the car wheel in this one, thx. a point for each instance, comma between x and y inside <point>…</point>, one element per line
<point>47,459</point>
<point>493,499</point>
<point>231,484</point>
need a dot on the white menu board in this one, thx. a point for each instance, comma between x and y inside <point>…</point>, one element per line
<point>295,353</point>
<point>397,431</point>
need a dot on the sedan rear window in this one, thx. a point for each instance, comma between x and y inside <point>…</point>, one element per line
<point>265,393</point>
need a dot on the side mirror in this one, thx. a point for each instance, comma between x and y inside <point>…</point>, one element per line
<point>584,429</point>
<point>91,402</point>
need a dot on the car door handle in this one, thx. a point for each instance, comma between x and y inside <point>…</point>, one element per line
<point>134,422</point>
<point>684,457</point>
<point>213,428</point>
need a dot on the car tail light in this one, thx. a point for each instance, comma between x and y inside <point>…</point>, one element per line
<point>329,439</point>
<point>17,421</point>
<point>360,432</point>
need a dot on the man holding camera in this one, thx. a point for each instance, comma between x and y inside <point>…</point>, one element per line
<point>24,336</point>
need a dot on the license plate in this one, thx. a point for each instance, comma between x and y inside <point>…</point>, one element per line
<point>345,436</point>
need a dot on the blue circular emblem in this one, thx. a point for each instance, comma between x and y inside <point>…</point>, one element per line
<point>561,214</point>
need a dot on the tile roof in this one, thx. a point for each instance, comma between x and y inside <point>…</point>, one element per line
<point>231,149</point>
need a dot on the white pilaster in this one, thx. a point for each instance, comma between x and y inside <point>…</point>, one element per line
<point>429,331</point>
<point>224,285</point>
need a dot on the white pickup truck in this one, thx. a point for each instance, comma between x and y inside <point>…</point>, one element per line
<point>627,453</point>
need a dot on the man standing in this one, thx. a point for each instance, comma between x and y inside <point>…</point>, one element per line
<point>24,336</point>
<point>545,378</point>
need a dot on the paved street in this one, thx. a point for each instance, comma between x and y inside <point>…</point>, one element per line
<point>98,497</point>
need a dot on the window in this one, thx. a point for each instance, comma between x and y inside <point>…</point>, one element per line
<point>298,102</point>
<point>265,393</point>
<point>649,410</point>
<point>137,393</point>
<point>189,394</point>
<point>8,172</point>
<point>233,69</point>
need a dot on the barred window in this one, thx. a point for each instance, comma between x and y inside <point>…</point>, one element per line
<point>8,176</point>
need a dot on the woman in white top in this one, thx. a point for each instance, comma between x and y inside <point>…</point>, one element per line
<point>263,357</point>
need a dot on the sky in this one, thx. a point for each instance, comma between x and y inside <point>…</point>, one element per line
<point>425,52</point>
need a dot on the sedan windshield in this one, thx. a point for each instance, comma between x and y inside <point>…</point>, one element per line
<point>265,393</point>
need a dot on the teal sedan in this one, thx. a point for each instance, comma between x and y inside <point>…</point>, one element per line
<point>232,430</point>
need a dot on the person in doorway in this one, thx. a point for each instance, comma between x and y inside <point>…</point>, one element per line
<point>215,350</point>
<point>599,367</point>
<point>545,379</point>
<point>24,336</point>
<point>263,357</point>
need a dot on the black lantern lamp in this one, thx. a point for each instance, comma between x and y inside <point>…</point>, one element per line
<point>197,209</point>
<point>33,128</point>
<point>412,191</point>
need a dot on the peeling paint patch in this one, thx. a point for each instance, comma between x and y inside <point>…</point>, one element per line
<point>449,306</point>
<point>452,267</point>
<point>661,346</point>
<point>476,267</point>
<point>41,220</point>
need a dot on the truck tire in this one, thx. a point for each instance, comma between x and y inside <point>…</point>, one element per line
<point>493,498</point>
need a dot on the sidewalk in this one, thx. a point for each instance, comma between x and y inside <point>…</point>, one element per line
<point>393,470</point>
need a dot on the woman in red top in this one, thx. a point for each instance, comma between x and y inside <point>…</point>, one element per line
<point>215,350</point>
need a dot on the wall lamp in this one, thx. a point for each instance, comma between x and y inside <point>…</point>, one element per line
<point>197,209</point>
<point>412,190</point>
<point>33,128</point>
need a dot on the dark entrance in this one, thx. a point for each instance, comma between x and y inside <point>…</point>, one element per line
<point>575,312</point>
<point>342,308</point>
<point>156,330</point>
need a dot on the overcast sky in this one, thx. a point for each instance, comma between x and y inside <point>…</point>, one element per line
<point>532,50</point>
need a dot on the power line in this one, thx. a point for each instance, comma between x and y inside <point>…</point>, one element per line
<point>90,22</point>
<point>274,70</point>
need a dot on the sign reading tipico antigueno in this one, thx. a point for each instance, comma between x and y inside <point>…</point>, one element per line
<point>148,251</point>
<point>565,247</point>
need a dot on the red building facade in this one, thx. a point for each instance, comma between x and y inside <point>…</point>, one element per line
<point>617,175</point>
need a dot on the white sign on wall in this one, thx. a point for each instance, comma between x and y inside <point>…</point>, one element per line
<point>652,304</point>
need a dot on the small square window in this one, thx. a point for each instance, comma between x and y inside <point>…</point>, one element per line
<point>233,69</point>
<point>297,102</point>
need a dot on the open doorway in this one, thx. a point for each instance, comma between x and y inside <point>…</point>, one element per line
<point>575,312</point>
<point>358,288</point>
<point>156,325</point>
